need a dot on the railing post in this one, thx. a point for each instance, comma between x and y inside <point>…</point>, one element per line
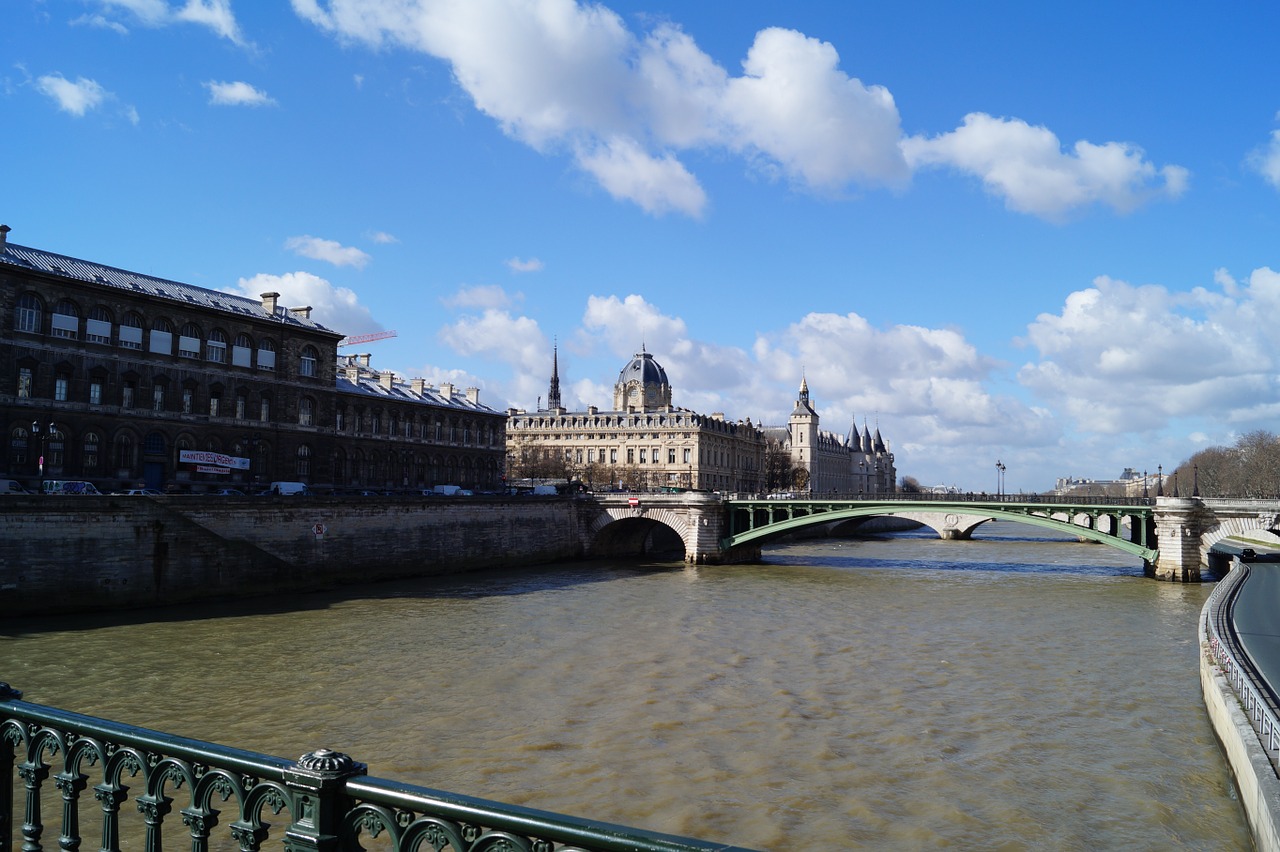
<point>7,693</point>
<point>317,781</point>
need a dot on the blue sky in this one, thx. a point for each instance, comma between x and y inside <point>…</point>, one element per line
<point>1038,233</point>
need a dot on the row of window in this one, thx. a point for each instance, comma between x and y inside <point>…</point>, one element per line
<point>589,456</point>
<point>362,421</point>
<point>51,447</point>
<point>159,339</point>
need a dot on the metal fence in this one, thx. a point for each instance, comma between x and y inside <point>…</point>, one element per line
<point>204,796</point>
<point>1250,688</point>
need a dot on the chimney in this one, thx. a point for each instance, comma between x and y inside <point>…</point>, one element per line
<point>269,302</point>
<point>446,390</point>
<point>4,235</point>
<point>473,396</point>
<point>387,379</point>
<point>364,359</point>
<point>353,373</point>
<point>418,386</point>
<point>305,313</point>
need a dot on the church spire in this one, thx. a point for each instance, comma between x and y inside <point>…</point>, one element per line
<point>553,392</point>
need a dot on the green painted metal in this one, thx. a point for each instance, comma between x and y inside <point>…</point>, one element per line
<point>324,801</point>
<point>754,520</point>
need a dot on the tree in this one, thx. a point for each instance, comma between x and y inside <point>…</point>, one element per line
<point>1250,468</point>
<point>911,485</point>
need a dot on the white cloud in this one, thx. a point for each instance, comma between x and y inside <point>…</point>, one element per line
<point>214,14</point>
<point>1265,160</point>
<point>100,22</point>
<point>487,296</point>
<point>817,124</point>
<point>238,93</point>
<point>1119,358</point>
<point>566,77</point>
<point>517,264</point>
<point>383,238</point>
<point>327,250</point>
<point>76,98</point>
<point>337,308</point>
<point>1027,167</point>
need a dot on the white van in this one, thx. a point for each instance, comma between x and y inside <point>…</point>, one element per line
<point>289,488</point>
<point>69,486</point>
<point>12,486</point>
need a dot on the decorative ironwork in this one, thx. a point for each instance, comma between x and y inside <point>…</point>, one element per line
<point>753,519</point>
<point>326,799</point>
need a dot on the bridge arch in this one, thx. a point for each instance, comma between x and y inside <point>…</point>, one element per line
<point>1238,525</point>
<point>638,532</point>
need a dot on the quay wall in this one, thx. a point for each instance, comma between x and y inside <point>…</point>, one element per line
<point>81,553</point>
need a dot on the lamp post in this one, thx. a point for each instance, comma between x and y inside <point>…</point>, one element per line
<point>1144,485</point>
<point>43,432</point>
<point>1159,480</point>
<point>1000,469</point>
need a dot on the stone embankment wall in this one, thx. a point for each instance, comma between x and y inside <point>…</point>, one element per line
<point>68,554</point>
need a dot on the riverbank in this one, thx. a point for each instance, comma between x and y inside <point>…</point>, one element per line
<point>83,553</point>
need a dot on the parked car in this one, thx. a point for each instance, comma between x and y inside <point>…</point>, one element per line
<point>12,486</point>
<point>138,492</point>
<point>228,492</point>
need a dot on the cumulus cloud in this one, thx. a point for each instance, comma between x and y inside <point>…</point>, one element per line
<point>337,308</point>
<point>329,251</point>
<point>1124,358</point>
<point>570,78</point>
<point>76,97</point>
<point>214,14</point>
<point>1027,167</point>
<point>238,93</point>
<point>383,238</point>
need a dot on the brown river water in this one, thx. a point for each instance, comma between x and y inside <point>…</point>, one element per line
<point>900,692</point>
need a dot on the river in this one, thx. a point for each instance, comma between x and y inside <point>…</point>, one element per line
<point>1017,691</point>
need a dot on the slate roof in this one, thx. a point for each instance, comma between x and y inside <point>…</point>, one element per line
<point>368,384</point>
<point>38,260</point>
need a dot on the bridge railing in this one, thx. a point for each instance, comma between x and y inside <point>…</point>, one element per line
<point>1246,682</point>
<point>965,497</point>
<point>324,801</point>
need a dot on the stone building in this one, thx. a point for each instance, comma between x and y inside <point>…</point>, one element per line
<point>643,443</point>
<point>824,462</point>
<point>124,379</point>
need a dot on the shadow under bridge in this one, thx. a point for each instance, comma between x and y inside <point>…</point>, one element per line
<point>1127,524</point>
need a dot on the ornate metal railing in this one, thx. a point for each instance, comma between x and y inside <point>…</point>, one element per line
<point>1248,684</point>
<point>323,801</point>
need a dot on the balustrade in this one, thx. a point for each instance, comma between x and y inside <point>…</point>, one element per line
<point>325,801</point>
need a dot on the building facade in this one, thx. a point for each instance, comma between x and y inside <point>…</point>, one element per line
<point>824,462</point>
<point>643,443</point>
<point>127,380</point>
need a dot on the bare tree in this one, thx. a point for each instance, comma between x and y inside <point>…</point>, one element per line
<point>1250,468</point>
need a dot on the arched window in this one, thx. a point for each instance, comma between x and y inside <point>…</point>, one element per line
<point>89,459</point>
<point>161,337</point>
<point>304,461</point>
<point>242,404</point>
<point>242,351</point>
<point>154,444</point>
<point>66,320</point>
<point>125,455</point>
<point>308,361</point>
<point>306,411</point>
<point>131,331</point>
<point>216,347</point>
<point>189,341</point>
<point>17,448</point>
<point>98,327</point>
<point>266,354</point>
<point>30,314</point>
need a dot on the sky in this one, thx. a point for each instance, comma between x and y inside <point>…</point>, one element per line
<point>1039,234</point>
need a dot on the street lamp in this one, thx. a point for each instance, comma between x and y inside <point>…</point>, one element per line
<point>44,433</point>
<point>1000,468</point>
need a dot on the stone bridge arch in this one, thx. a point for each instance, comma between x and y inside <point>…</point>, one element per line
<point>637,531</point>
